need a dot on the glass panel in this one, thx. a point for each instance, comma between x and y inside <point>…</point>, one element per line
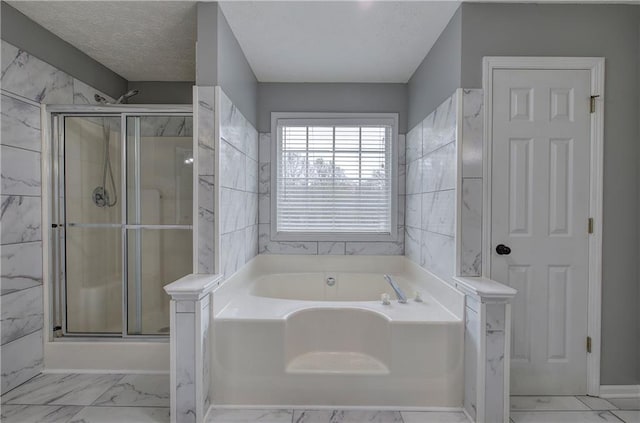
<point>160,167</point>
<point>156,257</point>
<point>92,169</point>
<point>94,280</point>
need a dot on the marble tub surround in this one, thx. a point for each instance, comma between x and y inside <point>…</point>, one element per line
<point>486,348</point>
<point>470,135</point>
<point>431,189</point>
<point>266,245</point>
<point>204,148</point>
<point>27,82</point>
<point>190,343</point>
<point>238,187</point>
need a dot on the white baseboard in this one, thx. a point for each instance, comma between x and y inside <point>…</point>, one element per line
<point>620,391</point>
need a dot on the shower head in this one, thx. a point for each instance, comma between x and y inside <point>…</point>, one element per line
<point>124,97</point>
<point>100,99</point>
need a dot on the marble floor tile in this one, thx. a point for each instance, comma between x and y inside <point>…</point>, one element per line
<point>433,417</point>
<point>139,391</point>
<point>563,417</point>
<point>547,403</point>
<point>246,416</point>
<point>346,416</point>
<point>122,415</point>
<point>626,403</point>
<point>628,416</point>
<point>61,389</point>
<point>38,413</point>
<point>596,403</point>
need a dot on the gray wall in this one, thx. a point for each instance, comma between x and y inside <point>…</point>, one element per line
<point>221,61</point>
<point>24,33</point>
<point>235,75</point>
<point>610,31</point>
<point>162,92</point>
<point>328,97</point>
<point>438,75</point>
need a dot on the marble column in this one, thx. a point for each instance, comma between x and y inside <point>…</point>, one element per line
<point>486,355</point>
<point>190,337</point>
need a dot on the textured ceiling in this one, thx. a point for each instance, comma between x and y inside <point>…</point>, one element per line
<point>139,40</point>
<point>349,41</point>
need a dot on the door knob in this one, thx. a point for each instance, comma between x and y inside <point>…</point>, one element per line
<point>503,250</point>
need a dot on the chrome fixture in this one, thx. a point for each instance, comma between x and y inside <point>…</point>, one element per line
<point>122,99</point>
<point>331,281</point>
<point>402,299</point>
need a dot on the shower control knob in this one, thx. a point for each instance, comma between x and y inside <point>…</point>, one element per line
<point>503,250</point>
<point>331,281</point>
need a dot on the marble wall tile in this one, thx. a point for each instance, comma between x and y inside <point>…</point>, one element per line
<point>251,141</point>
<point>22,359</point>
<point>250,242</point>
<point>402,179</point>
<point>437,254</point>
<point>20,219</point>
<point>494,376</point>
<point>232,124</point>
<point>29,77</point>
<point>332,248</point>
<point>376,248</point>
<point>443,130</point>
<point>439,212</point>
<point>472,133</point>
<point>232,210</point>
<point>414,177</point>
<point>232,167</point>
<point>232,252</point>
<point>267,246</point>
<point>413,212</point>
<point>439,169</point>
<point>206,159</point>
<point>21,266</point>
<point>206,233</point>
<point>402,149</point>
<point>251,168</point>
<point>264,178</point>
<point>471,353</point>
<point>402,204</point>
<point>412,242</point>
<point>264,208</point>
<point>185,382</point>
<point>471,222</point>
<point>20,124</point>
<point>206,117</point>
<point>20,174</point>
<point>167,126</point>
<point>21,313</point>
<point>205,334</point>
<point>251,208</point>
<point>85,94</point>
<point>414,144</point>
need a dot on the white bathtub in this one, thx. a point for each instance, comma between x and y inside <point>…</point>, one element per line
<point>283,336</point>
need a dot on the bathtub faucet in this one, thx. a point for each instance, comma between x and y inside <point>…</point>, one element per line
<point>401,297</point>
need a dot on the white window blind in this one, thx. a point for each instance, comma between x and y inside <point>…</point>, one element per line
<point>334,177</point>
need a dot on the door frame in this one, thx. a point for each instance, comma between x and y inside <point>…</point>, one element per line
<point>596,67</point>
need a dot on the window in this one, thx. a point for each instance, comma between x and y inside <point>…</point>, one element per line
<point>333,177</point>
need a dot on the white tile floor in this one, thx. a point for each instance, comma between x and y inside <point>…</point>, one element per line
<point>75,398</point>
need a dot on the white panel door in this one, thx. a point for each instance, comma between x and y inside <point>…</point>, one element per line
<point>539,210</point>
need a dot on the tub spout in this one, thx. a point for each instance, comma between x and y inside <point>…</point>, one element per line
<point>399,293</point>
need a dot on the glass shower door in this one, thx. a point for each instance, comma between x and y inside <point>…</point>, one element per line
<point>92,232</point>
<point>126,202</point>
<point>159,216</point>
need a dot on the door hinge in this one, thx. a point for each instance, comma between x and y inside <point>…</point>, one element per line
<point>588,344</point>
<point>592,103</point>
<point>590,225</point>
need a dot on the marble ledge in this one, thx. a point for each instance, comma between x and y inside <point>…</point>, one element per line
<point>192,287</point>
<point>485,289</point>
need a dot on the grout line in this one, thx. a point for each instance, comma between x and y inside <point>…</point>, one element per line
<point>20,148</point>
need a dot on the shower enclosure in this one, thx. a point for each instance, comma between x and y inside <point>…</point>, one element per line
<point>122,212</point>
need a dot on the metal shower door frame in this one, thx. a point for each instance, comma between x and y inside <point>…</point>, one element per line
<point>58,210</point>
